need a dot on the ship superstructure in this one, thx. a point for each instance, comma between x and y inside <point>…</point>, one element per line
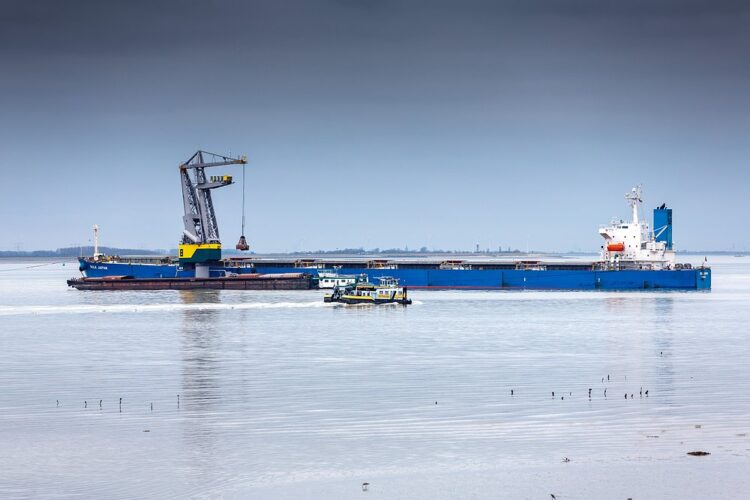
<point>633,245</point>
<point>332,278</point>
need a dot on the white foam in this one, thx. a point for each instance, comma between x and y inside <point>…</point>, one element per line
<point>146,308</point>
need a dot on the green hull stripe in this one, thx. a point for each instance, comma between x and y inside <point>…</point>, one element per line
<point>204,255</point>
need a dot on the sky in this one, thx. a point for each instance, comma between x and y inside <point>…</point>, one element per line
<point>375,123</point>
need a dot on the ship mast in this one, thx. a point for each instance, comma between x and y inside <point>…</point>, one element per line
<point>634,198</point>
<point>96,241</point>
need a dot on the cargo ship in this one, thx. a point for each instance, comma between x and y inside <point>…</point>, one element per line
<point>632,256</point>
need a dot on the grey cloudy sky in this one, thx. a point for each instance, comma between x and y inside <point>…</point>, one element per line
<point>375,123</point>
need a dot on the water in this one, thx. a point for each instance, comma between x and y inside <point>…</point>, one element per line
<point>282,396</point>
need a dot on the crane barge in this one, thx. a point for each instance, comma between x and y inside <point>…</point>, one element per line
<point>199,250</point>
<point>200,246</point>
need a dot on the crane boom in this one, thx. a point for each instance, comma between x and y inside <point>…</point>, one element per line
<point>200,240</point>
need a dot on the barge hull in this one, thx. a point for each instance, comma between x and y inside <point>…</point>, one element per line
<point>291,281</point>
<point>429,276</point>
<point>491,279</point>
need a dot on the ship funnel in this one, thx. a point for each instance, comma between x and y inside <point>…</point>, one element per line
<point>663,225</point>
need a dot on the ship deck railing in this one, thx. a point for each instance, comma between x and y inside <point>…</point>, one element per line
<point>133,259</point>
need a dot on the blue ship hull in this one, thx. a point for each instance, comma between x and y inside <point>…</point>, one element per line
<point>495,279</point>
<point>687,279</point>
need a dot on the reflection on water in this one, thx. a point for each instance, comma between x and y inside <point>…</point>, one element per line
<point>200,389</point>
<point>664,307</point>
<point>200,349</point>
<point>278,390</point>
<point>663,342</point>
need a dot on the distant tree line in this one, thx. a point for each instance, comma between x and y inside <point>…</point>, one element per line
<point>398,251</point>
<point>89,250</point>
<point>77,251</point>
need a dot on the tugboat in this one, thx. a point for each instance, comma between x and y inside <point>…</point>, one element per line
<point>363,292</point>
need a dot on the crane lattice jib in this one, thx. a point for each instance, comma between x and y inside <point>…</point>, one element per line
<point>200,218</point>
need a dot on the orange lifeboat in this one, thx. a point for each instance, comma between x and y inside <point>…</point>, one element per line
<point>616,247</point>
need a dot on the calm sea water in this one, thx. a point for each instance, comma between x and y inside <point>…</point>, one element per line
<point>281,396</point>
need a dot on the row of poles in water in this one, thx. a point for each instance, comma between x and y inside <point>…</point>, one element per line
<point>86,403</point>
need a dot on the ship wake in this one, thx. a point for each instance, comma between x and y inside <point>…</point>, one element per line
<point>148,308</point>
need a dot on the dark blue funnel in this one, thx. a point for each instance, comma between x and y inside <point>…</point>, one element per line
<point>663,225</point>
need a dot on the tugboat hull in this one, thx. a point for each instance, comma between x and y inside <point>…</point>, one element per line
<point>362,301</point>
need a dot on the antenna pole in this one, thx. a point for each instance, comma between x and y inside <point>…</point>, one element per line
<point>96,241</point>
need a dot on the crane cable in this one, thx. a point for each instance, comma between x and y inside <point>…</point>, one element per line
<point>244,165</point>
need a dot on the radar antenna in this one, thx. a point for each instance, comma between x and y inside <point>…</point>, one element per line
<point>634,198</point>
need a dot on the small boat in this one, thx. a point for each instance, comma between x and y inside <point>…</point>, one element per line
<point>387,291</point>
<point>332,279</point>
